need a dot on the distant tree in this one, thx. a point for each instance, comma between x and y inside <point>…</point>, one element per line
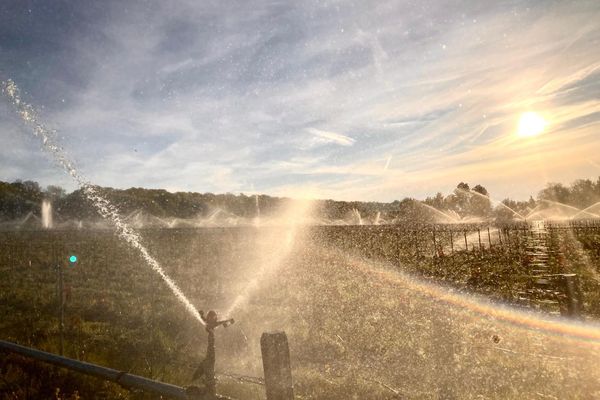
<point>555,192</point>
<point>503,214</point>
<point>583,193</point>
<point>409,210</point>
<point>461,200</point>
<point>32,187</point>
<point>438,201</point>
<point>55,192</point>
<point>480,206</point>
<point>480,189</point>
<point>463,186</point>
<point>451,202</point>
<point>19,198</point>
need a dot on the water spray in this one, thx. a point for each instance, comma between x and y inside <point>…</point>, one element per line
<point>48,137</point>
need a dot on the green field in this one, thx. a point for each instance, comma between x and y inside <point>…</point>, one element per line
<point>361,319</point>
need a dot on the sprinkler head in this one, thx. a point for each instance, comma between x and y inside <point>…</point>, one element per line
<point>228,322</point>
<point>211,317</point>
<point>212,321</point>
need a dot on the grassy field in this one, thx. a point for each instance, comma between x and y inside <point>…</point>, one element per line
<point>362,316</point>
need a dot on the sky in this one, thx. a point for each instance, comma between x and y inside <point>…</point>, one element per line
<point>350,100</point>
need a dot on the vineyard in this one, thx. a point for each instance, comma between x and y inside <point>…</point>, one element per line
<point>522,264</point>
<point>356,323</point>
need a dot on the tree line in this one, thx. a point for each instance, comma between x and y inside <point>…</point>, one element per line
<point>19,198</point>
<point>476,201</point>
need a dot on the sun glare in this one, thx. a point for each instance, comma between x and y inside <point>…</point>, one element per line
<point>531,124</point>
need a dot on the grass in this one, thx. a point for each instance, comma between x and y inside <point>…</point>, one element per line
<point>358,327</point>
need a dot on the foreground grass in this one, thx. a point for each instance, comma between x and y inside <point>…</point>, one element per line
<point>357,328</point>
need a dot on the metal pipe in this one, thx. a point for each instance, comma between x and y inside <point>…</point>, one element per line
<point>122,378</point>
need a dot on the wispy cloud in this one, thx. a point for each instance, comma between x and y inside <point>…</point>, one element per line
<point>331,137</point>
<point>355,100</point>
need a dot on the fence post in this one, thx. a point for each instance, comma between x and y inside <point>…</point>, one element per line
<point>276,364</point>
<point>573,292</point>
<point>61,308</point>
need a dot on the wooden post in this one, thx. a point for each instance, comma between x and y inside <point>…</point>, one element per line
<point>276,364</point>
<point>466,244</point>
<point>479,236</point>
<point>573,292</point>
<point>489,237</point>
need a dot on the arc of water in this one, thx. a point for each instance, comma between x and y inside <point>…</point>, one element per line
<point>104,207</point>
<point>377,218</point>
<point>357,215</point>
<point>534,211</point>
<point>447,216</point>
<point>534,215</point>
<point>27,217</point>
<point>585,210</point>
<point>491,200</point>
<point>556,203</point>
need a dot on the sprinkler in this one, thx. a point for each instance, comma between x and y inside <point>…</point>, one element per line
<point>206,370</point>
<point>211,320</point>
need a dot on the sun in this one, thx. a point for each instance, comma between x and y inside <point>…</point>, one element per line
<point>531,124</point>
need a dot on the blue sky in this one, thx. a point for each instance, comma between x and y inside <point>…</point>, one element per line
<point>346,100</point>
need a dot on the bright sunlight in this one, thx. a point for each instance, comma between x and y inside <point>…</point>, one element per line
<point>531,124</point>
